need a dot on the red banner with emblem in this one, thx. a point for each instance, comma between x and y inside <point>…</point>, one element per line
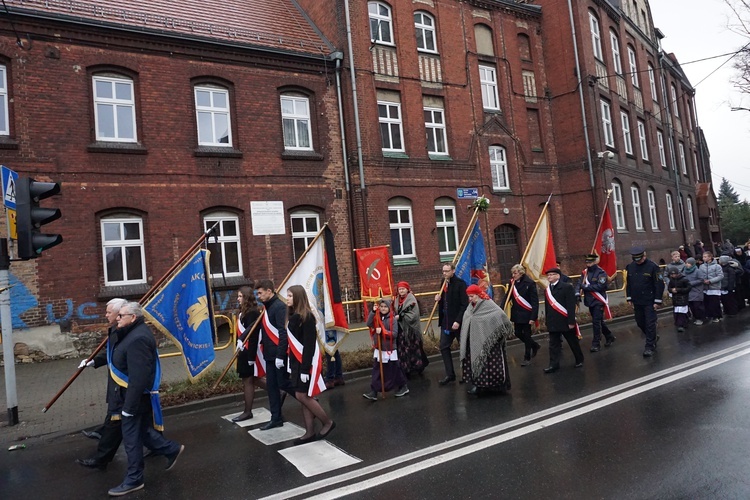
<point>375,275</point>
<point>604,244</point>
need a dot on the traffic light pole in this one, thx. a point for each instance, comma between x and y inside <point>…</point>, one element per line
<point>7,325</point>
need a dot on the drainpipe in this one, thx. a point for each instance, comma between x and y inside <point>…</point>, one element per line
<point>357,129</point>
<point>583,113</point>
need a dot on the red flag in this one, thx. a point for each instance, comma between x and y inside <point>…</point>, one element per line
<point>375,277</point>
<point>604,244</point>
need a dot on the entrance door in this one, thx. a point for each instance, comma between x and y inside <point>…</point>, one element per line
<point>508,252</point>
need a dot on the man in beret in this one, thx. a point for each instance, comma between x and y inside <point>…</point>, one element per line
<point>593,287</point>
<point>560,316</point>
<point>644,288</point>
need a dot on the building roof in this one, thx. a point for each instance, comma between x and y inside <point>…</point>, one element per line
<point>278,25</point>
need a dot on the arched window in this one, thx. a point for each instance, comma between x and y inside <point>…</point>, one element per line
<point>424,26</point>
<point>212,115</point>
<point>691,218</point>
<point>596,35</point>
<point>402,229</point>
<point>633,66</point>
<point>381,23</point>
<point>652,82</point>
<point>114,108</point>
<point>524,47</point>
<point>226,251</point>
<point>305,225</point>
<point>616,61</point>
<point>619,207</point>
<point>447,230</point>
<point>483,39</point>
<point>499,168</point>
<point>670,212</point>
<point>123,250</point>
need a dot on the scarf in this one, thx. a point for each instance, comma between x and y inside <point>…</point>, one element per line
<point>484,326</point>
<point>408,317</point>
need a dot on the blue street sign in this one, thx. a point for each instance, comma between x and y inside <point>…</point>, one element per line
<point>467,193</point>
<point>9,187</point>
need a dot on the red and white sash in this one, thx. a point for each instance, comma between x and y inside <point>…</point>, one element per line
<point>598,296</point>
<point>520,300</point>
<point>259,368</point>
<point>552,301</point>
<point>271,331</point>
<point>317,384</point>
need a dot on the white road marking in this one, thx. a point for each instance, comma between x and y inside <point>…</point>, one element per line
<point>260,416</point>
<point>286,432</point>
<point>586,404</point>
<point>318,457</point>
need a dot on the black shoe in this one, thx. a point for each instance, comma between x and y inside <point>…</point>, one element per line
<point>447,380</point>
<point>300,441</point>
<point>124,489</point>
<point>610,341</point>
<point>402,391</point>
<point>242,417</point>
<point>473,391</point>
<point>172,459</point>
<point>525,362</point>
<point>535,350</point>
<point>91,434</point>
<point>551,369</point>
<point>272,425</point>
<point>323,435</point>
<point>372,395</point>
<point>579,365</point>
<point>648,353</point>
<point>595,349</point>
<point>91,463</point>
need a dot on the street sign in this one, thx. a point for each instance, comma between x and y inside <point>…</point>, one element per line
<point>467,193</point>
<point>9,187</point>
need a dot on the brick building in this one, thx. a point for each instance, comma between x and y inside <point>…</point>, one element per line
<point>159,122</point>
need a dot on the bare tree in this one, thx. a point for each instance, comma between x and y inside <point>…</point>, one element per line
<point>740,24</point>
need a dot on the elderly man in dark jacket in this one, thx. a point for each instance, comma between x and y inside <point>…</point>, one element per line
<point>134,366</point>
<point>560,316</point>
<point>452,302</point>
<point>524,310</point>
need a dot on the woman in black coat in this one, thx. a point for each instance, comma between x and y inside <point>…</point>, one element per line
<point>247,344</point>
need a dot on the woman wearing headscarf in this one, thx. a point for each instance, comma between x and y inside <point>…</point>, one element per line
<point>384,334</point>
<point>483,332</point>
<point>411,353</point>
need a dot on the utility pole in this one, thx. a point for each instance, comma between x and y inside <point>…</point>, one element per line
<point>7,325</point>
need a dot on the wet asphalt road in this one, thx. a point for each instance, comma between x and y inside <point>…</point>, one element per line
<point>673,426</point>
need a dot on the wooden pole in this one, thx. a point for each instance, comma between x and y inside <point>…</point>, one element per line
<point>148,294</point>
<point>289,274</point>
<point>461,248</point>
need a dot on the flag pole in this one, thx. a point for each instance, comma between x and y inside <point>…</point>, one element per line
<point>279,287</point>
<point>461,248</point>
<point>526,250</point>
<point>103,343</point>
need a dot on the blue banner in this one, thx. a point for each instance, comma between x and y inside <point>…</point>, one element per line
<point>472,266</point>
<point>182,309</point>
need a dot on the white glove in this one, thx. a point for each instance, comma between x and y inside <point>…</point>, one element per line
<point>304,378</point>
<point>84,364</point>
<point>126,414</point>
<point>279,363</point>
<point>240,345</point>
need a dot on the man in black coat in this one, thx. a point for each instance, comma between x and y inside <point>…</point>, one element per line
<point>110,434</point>
<point>593,287</point>
<point>134,367</point>
<point>560,315</point>
<point>452,302</point>
<point>644,288</point>
<point>524,310</point>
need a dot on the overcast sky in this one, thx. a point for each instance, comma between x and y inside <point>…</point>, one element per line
<point>696,29</point>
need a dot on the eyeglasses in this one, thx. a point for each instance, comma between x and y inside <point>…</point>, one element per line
<point>123,315</point>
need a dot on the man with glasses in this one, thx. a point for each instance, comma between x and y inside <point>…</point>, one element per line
<point>134,366</point>
<point>452,302</point>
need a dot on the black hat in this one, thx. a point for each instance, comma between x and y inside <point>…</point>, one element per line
<point>555,270</point>
<point>637,252</point>
<point>592,257</point>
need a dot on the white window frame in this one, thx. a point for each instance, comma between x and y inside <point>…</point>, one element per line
<point>117,105</point>
<point>499,168</point>
<point>695,165</point>
<point>307,234</point>
<point>653,215</point>
<point>683,164</point>
<point>616,61</point>
<point>652,82</point>
<point>390,123</point>
<point>380,20</point>
<point>691,218</point>
<point>609,134</point>
<point>633,64</point>
<point>214,112</point>
<point>122,244</point>
<point>225,240</point>
<point>436,130</point>
<point>642,139</point>
<point>596,36</point>
<point>401,207</point>
<point>488,83</point>
<point>670,213</point>
<point>619,206</point>
<point>637,215</point>
<point>445,219</point>
<point>660,144</point>
<point>626,135</point>
<point>4,101</point>
<point>425,31</point>
<point>297,117</point>
<point>675,106</point>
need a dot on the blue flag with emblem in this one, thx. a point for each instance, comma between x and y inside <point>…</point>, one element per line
<point>472,266</point>
<point>183,311</point>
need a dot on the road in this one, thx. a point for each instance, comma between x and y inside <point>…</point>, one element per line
<point>673,426</point>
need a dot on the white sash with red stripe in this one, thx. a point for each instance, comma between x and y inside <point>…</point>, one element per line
<point>259,367</point>
<point>520,300</point>
<point>317,384</point>
<point>598,296</point>
<point>559,308</point>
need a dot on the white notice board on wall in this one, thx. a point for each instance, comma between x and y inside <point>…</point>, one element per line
<point>267,217</point>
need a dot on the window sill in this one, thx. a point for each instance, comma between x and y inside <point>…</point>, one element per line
<point>622,231</point>
<point>133,148</point>
<point>301,155</point>
<point>501,190</point>
<point>490,111</point>
<point>7,143</point>
<point>405,262</point>
<point>216,152</point>
<point>435,157</point>
<point>447,258</point>
<point>125,291</point>
<point>390,154</point>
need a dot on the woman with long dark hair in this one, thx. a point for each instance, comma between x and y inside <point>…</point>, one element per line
<point>247,344</point>
<point>301,326</point>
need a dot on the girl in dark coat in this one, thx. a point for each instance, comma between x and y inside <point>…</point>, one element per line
<point>679,287</point>
<point>247,343</point>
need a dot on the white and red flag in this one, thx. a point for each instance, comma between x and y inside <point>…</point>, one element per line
<point>540,252</point>
<point>604,244</point>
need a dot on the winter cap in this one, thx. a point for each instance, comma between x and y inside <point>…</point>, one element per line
<point>690,261</point>
<point>724,259</point>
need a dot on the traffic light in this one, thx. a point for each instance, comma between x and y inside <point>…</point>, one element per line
<point>30,217</point>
